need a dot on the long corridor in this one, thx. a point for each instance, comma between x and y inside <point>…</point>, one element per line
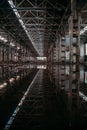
<point>43,64</point>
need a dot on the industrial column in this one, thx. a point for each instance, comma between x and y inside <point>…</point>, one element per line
<point>74,35</point>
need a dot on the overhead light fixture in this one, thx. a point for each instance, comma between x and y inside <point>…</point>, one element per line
<point>3,85</point>
<point>11,80</point>
<point>18,48</point>
<point>3,39</point>
<point>12,44</point>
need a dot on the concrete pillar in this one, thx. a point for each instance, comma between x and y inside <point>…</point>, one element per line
<point>74,32</point>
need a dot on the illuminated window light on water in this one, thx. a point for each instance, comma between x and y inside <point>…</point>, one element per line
<point>18,48</point>
<point>18,77</point>
<point>3,85</point>
<point>11,80</point>
<point>7,126</point>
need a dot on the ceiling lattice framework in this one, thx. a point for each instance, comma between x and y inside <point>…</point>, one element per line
<point>35,23</point>
<point>41,20</point>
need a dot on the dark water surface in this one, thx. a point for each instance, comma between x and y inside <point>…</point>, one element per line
<point>43,97</point>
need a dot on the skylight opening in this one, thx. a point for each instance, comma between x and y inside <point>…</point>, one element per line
<point>41,58</point>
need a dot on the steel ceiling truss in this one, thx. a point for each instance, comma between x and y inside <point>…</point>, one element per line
<point>10,24</point>
<point>41,19</point>
<point>83,23</point>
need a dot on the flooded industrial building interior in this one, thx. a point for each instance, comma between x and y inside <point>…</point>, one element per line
<point>43,64</point>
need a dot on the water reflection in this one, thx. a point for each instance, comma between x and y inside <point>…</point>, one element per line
<point>69,81</point>
<point>9,75</point>
<point>72,80</point>
<point>14,81</point>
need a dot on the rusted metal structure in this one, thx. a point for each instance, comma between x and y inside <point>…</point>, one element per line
<point>31,28</point>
